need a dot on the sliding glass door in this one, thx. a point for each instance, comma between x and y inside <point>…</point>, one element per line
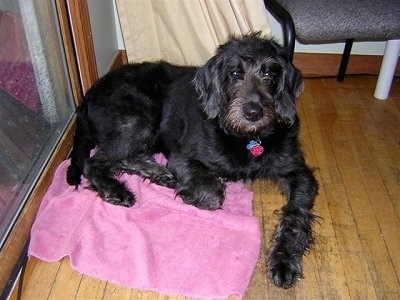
<point>36,102</point>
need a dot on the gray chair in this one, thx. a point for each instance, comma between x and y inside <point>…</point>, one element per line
<point>325,21</point>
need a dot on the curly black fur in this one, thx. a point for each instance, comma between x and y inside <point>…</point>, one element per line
<point>202,119</point>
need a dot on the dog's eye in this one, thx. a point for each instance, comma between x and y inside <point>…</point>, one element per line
<point>236,73</point>
<point>266,74</point>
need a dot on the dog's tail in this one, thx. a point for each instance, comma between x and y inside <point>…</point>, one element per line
<point>83,143</point>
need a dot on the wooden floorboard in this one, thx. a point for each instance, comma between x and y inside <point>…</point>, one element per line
<point>352,141</point>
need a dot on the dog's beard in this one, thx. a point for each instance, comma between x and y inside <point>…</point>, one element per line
<point>236,123</point>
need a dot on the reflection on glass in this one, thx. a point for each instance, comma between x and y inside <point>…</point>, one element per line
<point>35,99</point>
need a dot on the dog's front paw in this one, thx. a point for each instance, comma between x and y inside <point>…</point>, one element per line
<point>202,200</point>
<point>204,192</point>
<point>283,268</point>
<point>209,202</point>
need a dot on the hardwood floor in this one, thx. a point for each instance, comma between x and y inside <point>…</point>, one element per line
<point>352,141</point>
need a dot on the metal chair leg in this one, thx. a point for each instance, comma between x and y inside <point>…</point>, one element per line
<point>345,60</point>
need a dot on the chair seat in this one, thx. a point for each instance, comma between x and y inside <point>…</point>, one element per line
<point>318,21</point>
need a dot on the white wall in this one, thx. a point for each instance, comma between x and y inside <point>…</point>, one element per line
<point>118,31</point>
<point>104,32</point>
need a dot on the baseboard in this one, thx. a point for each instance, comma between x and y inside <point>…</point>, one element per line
<point>311,64</point>
<point>317,64</point>
<point>119,60</point>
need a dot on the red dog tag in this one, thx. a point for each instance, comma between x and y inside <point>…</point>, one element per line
<point>255,148</point>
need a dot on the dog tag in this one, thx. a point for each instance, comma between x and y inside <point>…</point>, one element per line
<point>255,148</point>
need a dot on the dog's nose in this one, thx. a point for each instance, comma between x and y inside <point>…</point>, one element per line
<point>252,112</point>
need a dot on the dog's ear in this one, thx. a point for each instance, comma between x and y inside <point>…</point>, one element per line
<point>295,80</point>
<point>289,89</point>
<point>208,84</point>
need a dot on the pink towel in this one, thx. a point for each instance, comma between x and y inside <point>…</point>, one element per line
<point>159,244</point>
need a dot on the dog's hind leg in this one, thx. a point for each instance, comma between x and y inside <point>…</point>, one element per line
<point>100,172</point>
<point>83,143</point>
<point>146,167</point>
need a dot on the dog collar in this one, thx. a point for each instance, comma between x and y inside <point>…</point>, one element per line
<point>255,147</point>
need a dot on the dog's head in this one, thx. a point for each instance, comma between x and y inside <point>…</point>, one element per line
<point>249,85</point>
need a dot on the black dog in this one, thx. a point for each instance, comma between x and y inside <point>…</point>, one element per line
<point>232,119</point>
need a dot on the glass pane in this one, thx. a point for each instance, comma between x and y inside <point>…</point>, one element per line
<point>35,99</point>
